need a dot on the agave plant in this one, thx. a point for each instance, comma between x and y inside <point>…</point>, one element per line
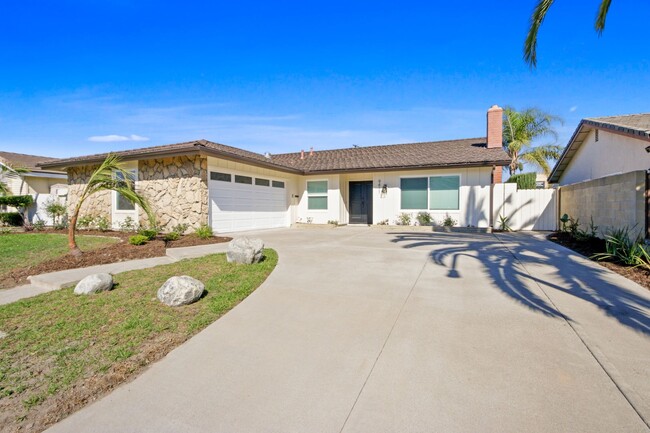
<point>109,176</point>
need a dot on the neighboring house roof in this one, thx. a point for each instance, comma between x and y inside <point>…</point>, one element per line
<point>29,162</point>
<point>451,153</point>
<point>632,125</point>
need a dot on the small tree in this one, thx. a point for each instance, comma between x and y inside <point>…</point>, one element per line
<point>109,176</point>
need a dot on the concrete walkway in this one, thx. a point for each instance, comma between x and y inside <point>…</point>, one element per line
<point>56,280</point>
<point>365,330</point>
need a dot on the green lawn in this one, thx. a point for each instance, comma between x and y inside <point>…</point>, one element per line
<point>22,250</point>
<point>62,350</point>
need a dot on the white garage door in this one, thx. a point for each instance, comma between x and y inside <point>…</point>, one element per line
<point>246,202</point>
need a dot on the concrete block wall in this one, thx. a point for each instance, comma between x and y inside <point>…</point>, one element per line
<point>614,202</point>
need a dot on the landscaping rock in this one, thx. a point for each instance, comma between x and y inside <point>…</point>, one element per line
<point>94,283</point>
<point>3,335</point>
<point>245,250</point>
<point>181,290</point>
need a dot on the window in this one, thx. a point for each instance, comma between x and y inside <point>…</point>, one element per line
<point>243,179</point>
<point>434,193</point>
<point>414,192</point>
<point>121,202</point>
<point>278,184</point>
<point>317,195</point>
<point>221,177</point>
<point>262,182</point>
<point>443,192</point>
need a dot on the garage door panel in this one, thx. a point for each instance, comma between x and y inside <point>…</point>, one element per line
<point>237,207</point>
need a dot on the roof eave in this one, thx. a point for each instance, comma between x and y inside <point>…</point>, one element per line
<point>410,167</point>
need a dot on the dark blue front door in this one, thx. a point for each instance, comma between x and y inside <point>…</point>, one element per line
<point>361,202</point>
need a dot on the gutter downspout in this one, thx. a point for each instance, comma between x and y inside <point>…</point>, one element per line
<point>491,219</point>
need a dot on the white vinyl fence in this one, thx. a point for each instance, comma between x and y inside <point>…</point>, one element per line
<point>527,209</point>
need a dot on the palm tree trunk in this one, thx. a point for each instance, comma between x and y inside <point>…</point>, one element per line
<point>72,227</point>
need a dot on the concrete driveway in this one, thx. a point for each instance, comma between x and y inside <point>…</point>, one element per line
<point>366,330</point>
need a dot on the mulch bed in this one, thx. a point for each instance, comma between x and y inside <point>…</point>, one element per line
<point>594,246</point>
<point>118,252</point>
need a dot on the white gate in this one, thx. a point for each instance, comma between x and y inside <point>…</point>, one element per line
<point>527,209</point>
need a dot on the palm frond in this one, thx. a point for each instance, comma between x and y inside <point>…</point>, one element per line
<point>536,20</point>
<point>601,16</point>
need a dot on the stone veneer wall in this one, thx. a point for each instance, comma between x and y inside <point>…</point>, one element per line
<point>98,204</point>
<point>614,202</point>
<point>177,190</point>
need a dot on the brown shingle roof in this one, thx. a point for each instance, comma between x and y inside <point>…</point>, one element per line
<point>634,124</point>
<point>451,153</point>
<point>26,161</point>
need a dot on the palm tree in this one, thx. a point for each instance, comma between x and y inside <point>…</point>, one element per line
<point>9,172</point>
<point>109,176</point>
<point>536,19</point>
<point>520,128</point>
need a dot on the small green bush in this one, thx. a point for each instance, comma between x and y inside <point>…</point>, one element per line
<point>11,219</point>
<point>138,240</point>
<point>424,218</point>
<point>403,219</point>
<point>55,210</point>
<point>128,225</point>
<point>524,180</point>
<point>39,225</point>
<point>102,223</point>
<point>172,236</point>
<point>17,200</point>
<point>150,234</point>
<point>204,232</point>
<point>180,228</point>
<point>85,222</point>
<point>449,221</point>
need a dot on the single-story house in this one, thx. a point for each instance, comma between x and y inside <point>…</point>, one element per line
<point>603,146</point>
<point>231,189</point>
<point>39,182</point>
<point>603,174</point>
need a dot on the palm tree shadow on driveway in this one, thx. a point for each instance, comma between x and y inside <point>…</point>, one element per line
<point>506,258</point>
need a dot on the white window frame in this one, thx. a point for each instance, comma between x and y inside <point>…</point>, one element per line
<point>134,173</point>
<point>319,194</point>
<point>427,177</point>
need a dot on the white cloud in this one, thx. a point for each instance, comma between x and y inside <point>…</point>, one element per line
<point>114,137</point>
<point>574,108</point>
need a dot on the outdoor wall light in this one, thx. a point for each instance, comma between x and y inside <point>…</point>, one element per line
<point>384,189</point>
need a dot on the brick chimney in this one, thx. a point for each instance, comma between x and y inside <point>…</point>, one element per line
<point>495,127</point>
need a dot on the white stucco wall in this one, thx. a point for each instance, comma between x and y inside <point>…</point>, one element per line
<point>474,196</point>
<point>611,154</point>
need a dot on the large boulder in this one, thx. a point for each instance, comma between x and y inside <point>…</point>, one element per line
<point>181,290</point>
<point>245,250</point>
<point>94,283</point>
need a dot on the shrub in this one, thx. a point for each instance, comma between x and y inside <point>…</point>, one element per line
<point>503,222</point>
<point>204,232</point>
<point>138,240</point>
<point>150,234</point>
<point>333,222</point>
<point>11,219</point>
<point>449,221</point>
<point>172,236</point>
<point>55,210</point>
<point>62,224</point>
<point>128,225</point>
<point>180,228</point>
<point>424,218</point>
<point>102,223</point>
<point>383,223</point>
<point>39,225</point>
<point>524,180</point>
<point>85,222</point>
<point>403,219</point>
<point>17,200</point>
<point>620,248</point>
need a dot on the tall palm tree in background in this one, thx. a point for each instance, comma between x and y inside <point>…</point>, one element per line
<point>109,176</point>
<point>536,19</point>
<point>520,128</point>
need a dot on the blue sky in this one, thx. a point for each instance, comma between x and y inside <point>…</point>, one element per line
<point>81,77</point>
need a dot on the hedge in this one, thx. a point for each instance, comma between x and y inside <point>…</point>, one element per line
<point>11,219</point>
<point>524,180</point>
<point>16,200</point>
